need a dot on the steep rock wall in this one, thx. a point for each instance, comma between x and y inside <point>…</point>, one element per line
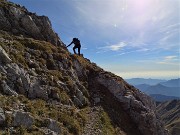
<point>17,20</point>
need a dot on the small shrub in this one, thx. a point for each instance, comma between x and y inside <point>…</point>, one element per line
<point>21,130</point>
<point>50,64</point>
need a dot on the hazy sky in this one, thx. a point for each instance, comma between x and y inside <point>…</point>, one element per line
<point>131,38</point>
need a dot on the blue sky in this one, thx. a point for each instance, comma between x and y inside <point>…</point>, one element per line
<point>131,38</point>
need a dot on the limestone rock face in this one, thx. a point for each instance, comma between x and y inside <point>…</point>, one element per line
<point>140,107</point>
<point>19,21</point>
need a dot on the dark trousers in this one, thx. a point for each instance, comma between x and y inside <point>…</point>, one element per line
<point>79,47</point>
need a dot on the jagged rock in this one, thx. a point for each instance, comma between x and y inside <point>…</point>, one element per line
<point>77,102</point>
<point>53,125</point>
<point>16,12</point>
<point>47,131</point>
<point>115,87</point>
<point>139,106</point>
<point>30,26</point>
<point>79,68</point>
<point>19,21</point>
<point>4,56</point>
<point>22,119</point>
<point>80,96</point>
<point>4,23</point>
<point>3,70</point>
<point>37,91</point>
<point>18,77</point>
<point>7,90</point>
<point>2,117</point>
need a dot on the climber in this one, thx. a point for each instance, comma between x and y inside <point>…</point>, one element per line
<point>77,44</point>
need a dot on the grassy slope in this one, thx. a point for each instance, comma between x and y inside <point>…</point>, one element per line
<point>71,119</point>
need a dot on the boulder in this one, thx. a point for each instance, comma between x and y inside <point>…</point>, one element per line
<point>4,58</point>
<point>53,125</point>
<point>7,90</point>
<point>22,119</point>
<point>114,86</point>
<point>38,91</point>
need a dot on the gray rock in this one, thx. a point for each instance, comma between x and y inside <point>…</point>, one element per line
<point>4,56</point>
<point>115,87</point>
<point>7,90</point>
<point>139,106</point>
<point>53,125</point>
<point>36,90</point>
<point>77,102</point>
<point>29,25</point>
<point>80,96</point>
<point>19,21</point>
<point>4,23</point>
<point>22,119</point>
<point>2,117</point>
<point>47,131</point>
<point>17,13</point>
<point>97,100</point>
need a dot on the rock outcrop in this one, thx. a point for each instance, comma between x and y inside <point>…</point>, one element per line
<point>169,112</point>
<point>22,119</point>
<point>18,21</point>
<point>47,90</point>
<point>2,117</point>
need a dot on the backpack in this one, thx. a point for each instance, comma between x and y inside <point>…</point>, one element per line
<point>76,41</point>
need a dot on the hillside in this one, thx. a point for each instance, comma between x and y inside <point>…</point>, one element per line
<point>170,113</point>
<point>172,83</point>
<point>46,90</point>
<point>142,87</point>
<point>162,98</point>
<point>161,89</point>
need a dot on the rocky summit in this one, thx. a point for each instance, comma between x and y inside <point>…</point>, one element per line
<point>44,89</point>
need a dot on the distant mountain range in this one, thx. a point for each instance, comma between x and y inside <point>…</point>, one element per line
<point>138,81</point>
<point>160,90</point>
<point>162,98</point>
<point>172,83</point>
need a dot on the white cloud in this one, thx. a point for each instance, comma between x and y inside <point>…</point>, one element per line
<point>137,50</point>
<point>150,74</point>
<point>114,47</point>
<point>169,58</point>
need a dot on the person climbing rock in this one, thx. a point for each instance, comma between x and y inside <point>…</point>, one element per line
<point>77,44</point>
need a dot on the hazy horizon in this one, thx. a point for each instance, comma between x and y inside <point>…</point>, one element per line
<point>129,38</point>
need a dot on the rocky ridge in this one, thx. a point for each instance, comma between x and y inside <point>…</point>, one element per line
<point>169,111</point>
<point>46,90</point>
<point>17,20</point>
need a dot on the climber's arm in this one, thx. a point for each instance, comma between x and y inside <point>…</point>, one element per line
<point>69,44</point>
